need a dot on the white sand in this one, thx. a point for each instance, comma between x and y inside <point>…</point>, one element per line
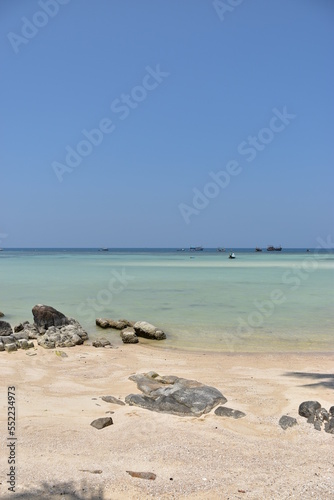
<point>209,457</point>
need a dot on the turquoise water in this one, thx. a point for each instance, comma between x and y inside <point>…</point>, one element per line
<point>268,301</point>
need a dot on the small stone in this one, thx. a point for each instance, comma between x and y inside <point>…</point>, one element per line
<point>100,343</point>
<point>223,411</point>
<point>308,408</point>
<point>322,414</point>
<point>1,314</point>
<point>317,425</point>
<point>10,347</point>
<point>331,411</point>
<point>61,354</point>
<point>112,399</point>
<point>22,343</point>
<point>285,421</point>
<point>18,328</point>
<point>101,423</point>
<point>142,475</point>
<point>2,347</point>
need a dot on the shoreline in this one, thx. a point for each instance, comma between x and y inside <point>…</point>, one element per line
<point>206,457</point>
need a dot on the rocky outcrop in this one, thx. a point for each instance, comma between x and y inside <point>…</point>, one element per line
<point>68,335</point>
<point>119,324</point>
<point>129,336</point>
<point>47,316</point>
<point>148,331</point>
<point>5,329</point>
<point>15,341</point>
<point>285,421</point>
<point>317,415</point>
<point>171,394</point>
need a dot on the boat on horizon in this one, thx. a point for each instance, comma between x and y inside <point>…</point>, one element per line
<point>258,249</point>
<point>104,250</point>
<point>221,249</point>
<point>196,249</point>
<point>270,248</point>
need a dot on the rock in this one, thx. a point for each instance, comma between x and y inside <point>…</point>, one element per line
<point>18,328</point>
<point>322,415</point>
<point>10,347</point>
<point>142,475</point>
<point>101,423</point>
<point>30,330</point>
<point>61,354</point>
<point>5,329</point>
<point>308,408</point>
<point>65,336</point>
<point>2,347</point>
<point>331,411</point>
<point>46,316</point>
<point>1,314</point>
<point>129,336</point>
<point>148,331</point>
<point>22,343</point>
<point>119,324</point>
<point>174,395</point>
<point>285,421</point>
<point>20,335</point>
<point>112,399</point>
<point>223,411</point>
<point>7,340</point>
<point>101,343</point>
<point>329,426</point>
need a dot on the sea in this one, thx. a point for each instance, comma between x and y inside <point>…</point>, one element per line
<point>204,301</point>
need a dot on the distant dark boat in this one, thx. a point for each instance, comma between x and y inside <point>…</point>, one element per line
<point>196,249</point>
<point>104,249</point>
<point>274,249</point>
<point>221,250</point>
<point>180,250</point>
<point>257,249</point>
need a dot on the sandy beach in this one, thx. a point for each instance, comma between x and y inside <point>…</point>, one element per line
<point>60,455</point>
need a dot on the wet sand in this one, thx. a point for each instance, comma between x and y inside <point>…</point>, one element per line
<point>60,455</point>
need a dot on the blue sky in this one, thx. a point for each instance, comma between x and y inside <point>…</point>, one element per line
<point>215,123</point>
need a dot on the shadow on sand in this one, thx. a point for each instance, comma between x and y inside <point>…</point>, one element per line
<point>321,379</point>
<point>61,491</point>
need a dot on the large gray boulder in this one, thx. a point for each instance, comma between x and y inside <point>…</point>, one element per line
<point>307,409</point>
<point>148,331</point>
<point>5,329</point>
<point>175,395</point>
<point>47,316</point>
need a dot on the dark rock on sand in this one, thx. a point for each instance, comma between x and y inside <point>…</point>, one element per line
<point>10,347</point>
<point>47,316</point>
<point>101,423</point>
<point>174,395</point>
<point>285,421</point>
<point>308,408</point>
<point>129,336</point>
<point>5,329</point>
<point>329,426</point>
<point>101,343</point>
<point>119,324</point>
<point>331,411</point>
<point>148,331</point>
<point>223,411</point>
<point>142,475</point>
<point>112,399</point>
<point>9,339</point>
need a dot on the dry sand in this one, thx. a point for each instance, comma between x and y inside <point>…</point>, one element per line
<point>210,457</point>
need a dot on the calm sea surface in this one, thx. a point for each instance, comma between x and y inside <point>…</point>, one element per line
<point>261,301</point>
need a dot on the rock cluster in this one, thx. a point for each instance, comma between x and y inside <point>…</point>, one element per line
<point>11,341</point>
<point>51,328</point>
<point>317,415</point>
<point>171,394</point>
<point>130,331</point>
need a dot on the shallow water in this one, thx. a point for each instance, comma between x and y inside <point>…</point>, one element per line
<point>268,301</point>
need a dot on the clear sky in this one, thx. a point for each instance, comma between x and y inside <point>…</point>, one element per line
<point>166,123</point>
